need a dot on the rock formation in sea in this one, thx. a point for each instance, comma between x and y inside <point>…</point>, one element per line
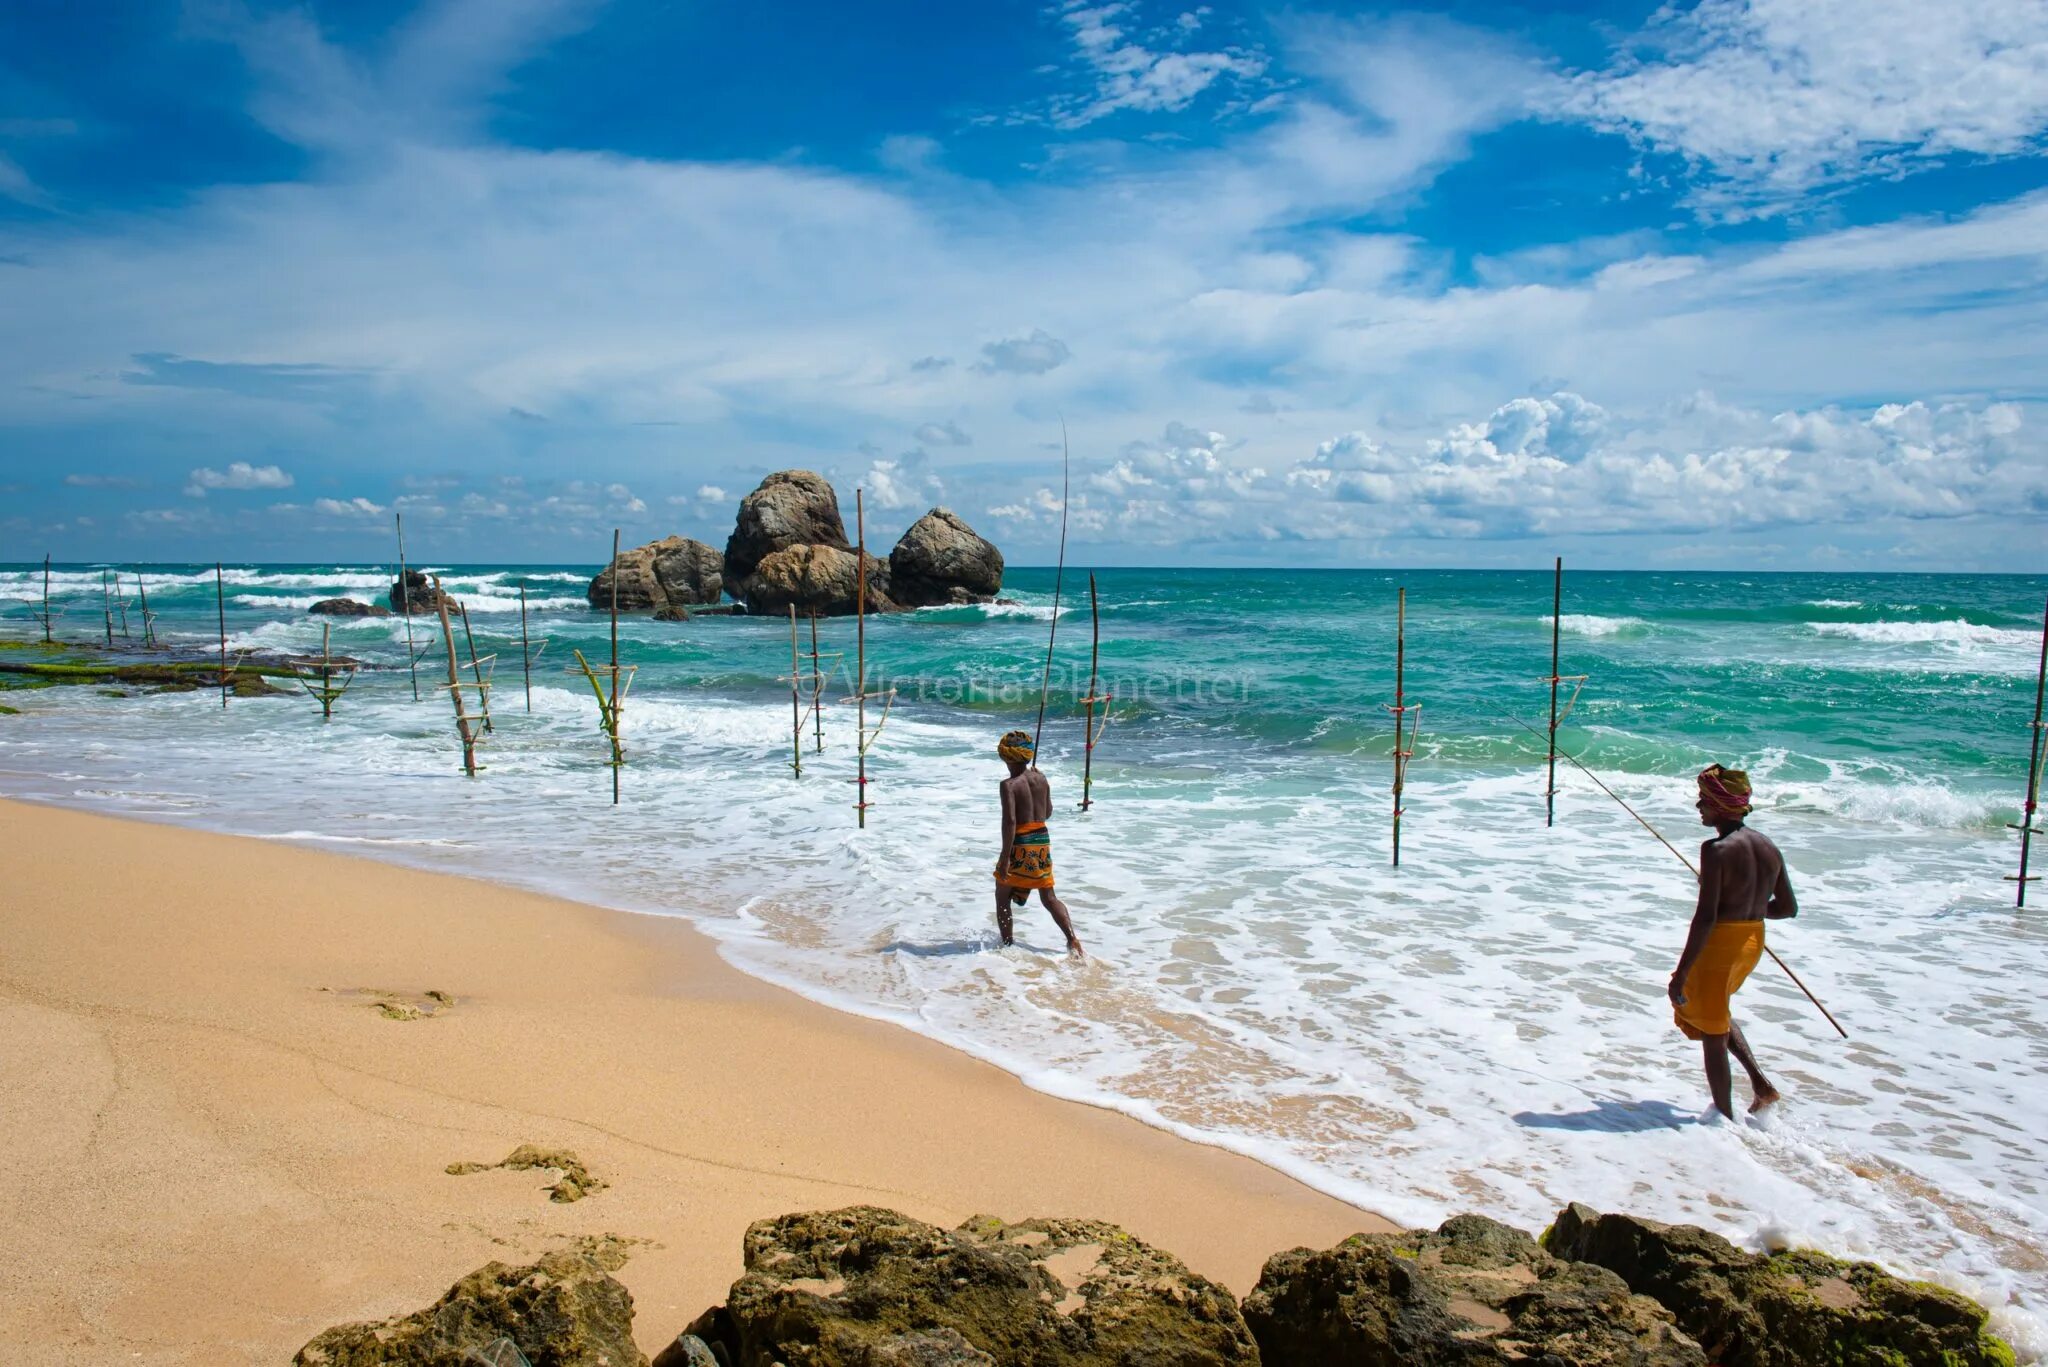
<point>941,560</point>
<point>350,607</point>
<point>789,549</point>
<point>565,1310</point>
<point>419,592</point>
<point>662,576</point>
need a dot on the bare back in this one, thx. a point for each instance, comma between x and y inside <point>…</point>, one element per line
<point>1741,873</point>
<point>1027,797</point>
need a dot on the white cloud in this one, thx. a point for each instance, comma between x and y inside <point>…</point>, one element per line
<point>943,434</point>
<point>1775,98</point>
<point>1129,74</point>
<point>352,507</point>
<point>1032,354</point>
<point>239,475</point>
<point>710,493</point>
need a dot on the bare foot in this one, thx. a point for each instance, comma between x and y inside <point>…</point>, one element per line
<point>1765,1099</point>
<point>1074,951</point>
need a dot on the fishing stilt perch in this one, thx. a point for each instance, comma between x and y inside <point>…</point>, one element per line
<point>864,739</point>
<point>1578,682</point>
<point>1403,749</point>
<point>528,652</point>
<point>476,669</point>
<point>611,705</point>
<point>412,657</point>
<point>2026,826</point>
<point>464,726</point>
<point>796,711</point>
<point>46,601</point>
<point>318,675</point>
<point>1091,733</point>
<point>220,603</point>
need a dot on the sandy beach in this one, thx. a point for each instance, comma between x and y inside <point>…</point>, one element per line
<point>223,1145</point>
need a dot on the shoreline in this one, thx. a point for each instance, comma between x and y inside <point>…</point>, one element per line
<point>237,1149</point>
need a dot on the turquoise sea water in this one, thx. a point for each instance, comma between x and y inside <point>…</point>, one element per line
<point>1482,1028</point>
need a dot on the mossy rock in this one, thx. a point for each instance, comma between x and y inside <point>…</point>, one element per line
<point>1787,1309</point>
<point>6,711</point>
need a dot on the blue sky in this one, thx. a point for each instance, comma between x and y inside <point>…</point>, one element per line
<point>1742,283</point>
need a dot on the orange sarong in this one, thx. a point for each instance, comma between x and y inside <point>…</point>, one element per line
<point>1030,864</point>
<point>1732,950</point>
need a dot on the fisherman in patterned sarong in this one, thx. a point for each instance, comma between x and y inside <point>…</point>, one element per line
<point>1742,884</point>
<point>1026,858</point>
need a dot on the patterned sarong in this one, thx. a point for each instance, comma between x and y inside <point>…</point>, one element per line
<point>1030,858</point>
<point>1732,950</point>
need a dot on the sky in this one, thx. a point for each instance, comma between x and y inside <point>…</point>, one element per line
<point>1735,284</point>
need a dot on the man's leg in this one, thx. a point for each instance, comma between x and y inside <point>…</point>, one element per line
<point>1003,911</point>
<point>1759,1085</point>
<point>1715,1048</point>
<point>1060,918</point>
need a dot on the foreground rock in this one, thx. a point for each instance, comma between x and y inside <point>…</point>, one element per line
<point>566,1310</point>
<point>866,1287</point>
<point>417,594</point>
<point>941,560</point>
<point>1473,1292</point>
<point>1781,1309</point>
<point>349,607</point>
<point>662,576</point>
<point>789,508</point>
<point>816,581</point>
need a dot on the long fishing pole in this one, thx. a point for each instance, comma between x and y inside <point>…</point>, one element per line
<point>1059,575</point>
<point>1573,760</point>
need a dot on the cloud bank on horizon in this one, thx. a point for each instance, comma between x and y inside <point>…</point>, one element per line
<point>1740,283</point>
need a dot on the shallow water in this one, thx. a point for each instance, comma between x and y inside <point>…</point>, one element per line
<point>1483,1028</point>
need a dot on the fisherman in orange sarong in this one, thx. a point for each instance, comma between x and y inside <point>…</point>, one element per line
<point>1742,884</point>
<point>1025,862</point>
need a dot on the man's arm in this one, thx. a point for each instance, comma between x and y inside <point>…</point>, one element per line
<point>1783,906</point>
<point>1009,804</point>
<point>1702,920</point>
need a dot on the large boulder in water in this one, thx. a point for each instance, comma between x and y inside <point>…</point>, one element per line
<point>865,1287</point>
<point>674,572</point>
<point>349,607</point>
<point>1786,1309</point>
<point>1473,1293</point>
<point>566,1310</point>
<point>818,581</point>
<point>417,594</point>
<point>789,508</point>
<point>941,560</point>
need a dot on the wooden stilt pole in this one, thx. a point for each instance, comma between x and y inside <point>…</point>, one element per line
<point>817,687</point>
<point>463,726</point>
<point>46,601</point>
<point>2026,827</point>
<point>1094,672</point>
<point>860,627</point>
<point>121,606</point>
<point>220,605</point>
<point>1556,630</point>
<point>1400,711</point>
<point>148,618</point>
<point>525,649</point>
<point>796,712</point>
<point>412,656</point>
<point>107,605</point>
<point>617,702</point>
<point>476,671</point>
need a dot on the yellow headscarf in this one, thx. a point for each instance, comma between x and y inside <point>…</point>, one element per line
<point>1017,747</point>
<point>1726,792</point>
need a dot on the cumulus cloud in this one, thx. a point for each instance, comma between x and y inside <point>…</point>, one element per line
<point>351,507</point>
<point>1775,98</point>
<point>1033,354</point>
<point>1133,70</point>
<point>239,475</point>
<point>710,493</point>
<point>943,434</point>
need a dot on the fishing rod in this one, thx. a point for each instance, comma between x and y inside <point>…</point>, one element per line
<point>1045,684</point>
<point>1573,760</point>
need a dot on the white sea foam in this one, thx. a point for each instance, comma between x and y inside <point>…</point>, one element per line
<point>1587,624</point>
<point>1834,602</point>
<point>1957,632</point>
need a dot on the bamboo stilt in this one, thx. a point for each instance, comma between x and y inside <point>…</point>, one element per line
<point>2026,826</point>
<point>817,687</point>
<point>617,701</point>
<point>220,603</point>
<point>148,617</point>
<point>525,650</point>
<point>121,606</point>
<point>860,618</point>
<point>1556,633</point>
<point>107,605</point>
<point>483,690</point>
<point>464,727</point>
<point>1404,745</point>
<point>796,712</point>
<point>325,671</point>
<point>1090,733</point>
<point>412,656</point>
<point>46,601</point>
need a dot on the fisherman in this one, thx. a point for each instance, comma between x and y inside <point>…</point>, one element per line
<point>1026,858</point>
<point>1742,883</point>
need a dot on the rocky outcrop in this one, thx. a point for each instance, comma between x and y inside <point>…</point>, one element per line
<point>349,607</point>
<point>1473,1292</point>
<point>816,580</point>
<point>417,593</point>
<point>566,1310</point>
<point>674,572</point>
<point>576,1180</point>
<point>941,560</point>
<point>1784,1309</point>
<point>789,508</point>
<point>866,1287</point>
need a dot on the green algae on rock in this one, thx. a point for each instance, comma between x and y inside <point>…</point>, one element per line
<point>576,1180</point>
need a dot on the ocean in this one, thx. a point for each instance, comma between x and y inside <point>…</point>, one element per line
<point>1483,1028</point>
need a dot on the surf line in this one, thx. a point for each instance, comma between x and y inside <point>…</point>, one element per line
<point>1573,760</point>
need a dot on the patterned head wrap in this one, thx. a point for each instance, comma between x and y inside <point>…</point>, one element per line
<point>1017,747</point>
<point>1726,792</point>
